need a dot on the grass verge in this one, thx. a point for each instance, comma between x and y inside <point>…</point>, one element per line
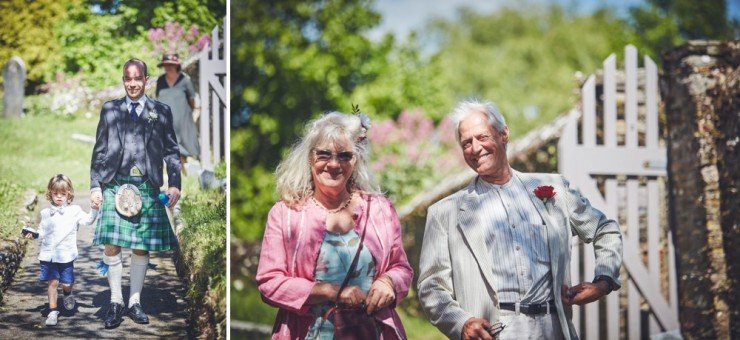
<point>9,210</point>
<point>203,255</point>
<point>35,148</point>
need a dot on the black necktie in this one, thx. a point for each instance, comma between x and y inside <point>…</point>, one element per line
<point>134,116</point>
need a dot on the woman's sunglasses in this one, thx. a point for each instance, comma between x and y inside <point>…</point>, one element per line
<point>326,155</point>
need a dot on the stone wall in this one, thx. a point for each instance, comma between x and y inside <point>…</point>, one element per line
<point>701,90</point>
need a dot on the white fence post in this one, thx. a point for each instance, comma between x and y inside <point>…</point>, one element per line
<point>212,69</point>
<point>637,160</point>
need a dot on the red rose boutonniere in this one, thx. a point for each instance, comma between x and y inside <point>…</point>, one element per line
<point>544,192</point>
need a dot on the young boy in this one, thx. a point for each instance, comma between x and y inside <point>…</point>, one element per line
<point>58,234</point>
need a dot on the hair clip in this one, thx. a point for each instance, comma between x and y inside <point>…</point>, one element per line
<point>364,123</point>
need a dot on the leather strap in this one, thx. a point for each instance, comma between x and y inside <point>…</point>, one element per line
<point>357,254</point>
<point>544,308</point>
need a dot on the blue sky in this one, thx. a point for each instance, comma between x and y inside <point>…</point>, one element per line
<point>401,16</point>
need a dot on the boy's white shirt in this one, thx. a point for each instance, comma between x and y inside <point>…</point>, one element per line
<point>58,232</point>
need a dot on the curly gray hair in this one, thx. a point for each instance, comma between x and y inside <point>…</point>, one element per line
<point>294,181</point>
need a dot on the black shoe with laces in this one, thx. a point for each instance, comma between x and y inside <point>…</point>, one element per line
<point>136,313</point>
<point>114,316</point>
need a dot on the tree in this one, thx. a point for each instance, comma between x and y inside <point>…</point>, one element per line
<point>524,59</point>
<point>138,15</point>
<point>26,31</point>
<point>98,54</point>
<point>667,23</point>
<point>291,60</point>
<point>406,80</point>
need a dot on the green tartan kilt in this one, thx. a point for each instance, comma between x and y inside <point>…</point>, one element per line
<point>149,230</point>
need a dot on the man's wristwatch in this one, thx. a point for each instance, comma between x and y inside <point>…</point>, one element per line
<point>609,281</point>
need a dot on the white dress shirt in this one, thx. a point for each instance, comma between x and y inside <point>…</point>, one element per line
<point>58,232</point>
<point>139,108</point>
<point>517,242</point>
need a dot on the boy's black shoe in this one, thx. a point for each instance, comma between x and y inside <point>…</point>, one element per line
<point>114,316</point>
<point>136,313</point>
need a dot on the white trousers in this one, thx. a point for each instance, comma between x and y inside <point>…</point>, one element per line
<point>522,326</point>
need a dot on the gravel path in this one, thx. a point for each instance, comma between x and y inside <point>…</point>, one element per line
<point>25,309</point>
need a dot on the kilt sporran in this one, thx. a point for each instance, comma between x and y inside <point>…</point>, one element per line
<point>149,229</point>
<point>128,200</point>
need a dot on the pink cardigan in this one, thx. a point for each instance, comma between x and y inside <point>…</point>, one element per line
<point>290,248</point>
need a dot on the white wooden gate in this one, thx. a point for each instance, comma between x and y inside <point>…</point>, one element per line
<point>213,83</point>
<point>616,159</point>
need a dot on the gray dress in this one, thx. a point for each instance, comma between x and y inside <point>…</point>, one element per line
<point>177,98</point>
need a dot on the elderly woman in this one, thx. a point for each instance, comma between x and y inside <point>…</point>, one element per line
<point>329,199</point>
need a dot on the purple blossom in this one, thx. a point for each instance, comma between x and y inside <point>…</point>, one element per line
<point>412,144</point>
<point>174,38</point>
<point>382,131</point>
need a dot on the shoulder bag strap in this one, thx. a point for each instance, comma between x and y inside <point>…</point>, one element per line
<point>357,254</point>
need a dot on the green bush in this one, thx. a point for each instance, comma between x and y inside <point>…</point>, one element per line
<point>247,304</point>
<point>203,248</point>
<point>220,170</point>
<point>9,213</point>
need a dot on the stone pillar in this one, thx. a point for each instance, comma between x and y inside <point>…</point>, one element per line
<point>701,89</point>
<point>14,80</point>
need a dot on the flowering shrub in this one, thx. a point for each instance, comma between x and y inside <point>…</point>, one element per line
<point>173,38</point>
<point>66,96</point>
<point>410,153</point>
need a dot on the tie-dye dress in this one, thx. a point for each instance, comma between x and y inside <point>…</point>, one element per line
<point>335,257</point>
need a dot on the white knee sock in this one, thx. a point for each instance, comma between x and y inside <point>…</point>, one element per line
<point>139,264</point>
<point>115,269</point>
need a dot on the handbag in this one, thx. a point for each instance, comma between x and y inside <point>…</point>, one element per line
<point>353,323</point>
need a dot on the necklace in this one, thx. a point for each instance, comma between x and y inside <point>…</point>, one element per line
<point>332,211</point>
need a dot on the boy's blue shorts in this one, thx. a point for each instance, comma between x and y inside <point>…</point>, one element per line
<point>64,272</point>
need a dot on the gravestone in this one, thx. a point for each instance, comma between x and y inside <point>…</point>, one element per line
<point>14,81</point>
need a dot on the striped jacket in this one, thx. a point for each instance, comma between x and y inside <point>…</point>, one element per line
<point>455,279</point>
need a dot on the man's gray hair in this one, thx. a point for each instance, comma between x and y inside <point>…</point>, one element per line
<point>466,107</point>
<point>293,174</point>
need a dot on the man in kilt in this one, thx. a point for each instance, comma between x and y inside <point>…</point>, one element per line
<point>135,137</point>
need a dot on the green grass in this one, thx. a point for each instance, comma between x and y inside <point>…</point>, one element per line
<point>246,302</point>
<point>203,248</point>
<point>419,328</point>
<point>35,148</point>
<point>9,210</point>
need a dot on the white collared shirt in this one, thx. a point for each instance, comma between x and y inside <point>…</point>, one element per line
<point>140,108</point>
<point>517,241</point>
<point>58,232</point>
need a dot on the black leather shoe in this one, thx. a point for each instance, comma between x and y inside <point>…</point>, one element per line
<point>137,314</point>
<point>114,316</point>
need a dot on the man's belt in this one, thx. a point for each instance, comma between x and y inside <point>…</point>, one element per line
<point>543,308</point>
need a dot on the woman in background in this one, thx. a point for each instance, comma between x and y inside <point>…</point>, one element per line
<point>175,89</point>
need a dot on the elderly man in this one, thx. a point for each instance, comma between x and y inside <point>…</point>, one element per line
<point>496,253</point>
<point>134,139</point>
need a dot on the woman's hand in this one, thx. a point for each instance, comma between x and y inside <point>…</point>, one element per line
<point>352,296</point>
<point>322,292</point>
<point>381,294</point>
